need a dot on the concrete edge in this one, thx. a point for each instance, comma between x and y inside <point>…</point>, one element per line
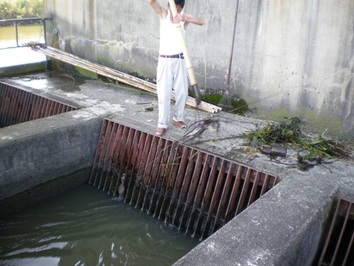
<point>267,233</point>
<point>38,151</point>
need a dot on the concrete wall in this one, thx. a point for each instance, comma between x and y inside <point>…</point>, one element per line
<point>45,151</point>
<point>290,57</point>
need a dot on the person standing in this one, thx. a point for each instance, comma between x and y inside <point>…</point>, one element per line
<point>171,68</point>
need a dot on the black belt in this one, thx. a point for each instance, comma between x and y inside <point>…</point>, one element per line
<point>173,56</point>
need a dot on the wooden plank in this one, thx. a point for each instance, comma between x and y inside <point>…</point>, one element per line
<point>113,74</point>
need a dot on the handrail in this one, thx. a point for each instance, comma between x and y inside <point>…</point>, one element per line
<point>19,20</point>
<point>24,19</point>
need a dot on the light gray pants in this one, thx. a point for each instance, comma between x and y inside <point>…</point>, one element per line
<point>171,75</point>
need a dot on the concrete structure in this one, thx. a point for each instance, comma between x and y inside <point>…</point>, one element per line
<point>56,152</point>
<point>291,58</point>
<point>284,227</point>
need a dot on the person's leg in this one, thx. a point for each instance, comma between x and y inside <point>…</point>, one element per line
<point>180,87</point>
<point>164,87</point>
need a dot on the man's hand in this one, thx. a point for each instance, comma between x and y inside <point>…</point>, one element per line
<point>177,19</point>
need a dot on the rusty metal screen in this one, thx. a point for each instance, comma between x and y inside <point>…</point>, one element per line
<point>338,248</point>
<point>192,189</point>
<point>18,106</point>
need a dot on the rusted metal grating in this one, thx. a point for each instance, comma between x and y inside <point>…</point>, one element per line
<point>339,245</point>
<point>17,106</point>
<point>192,189</point>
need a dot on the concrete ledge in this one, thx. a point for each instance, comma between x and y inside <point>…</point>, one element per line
<point>8,71</point>
<point>38,151</point>
<point>284,227</point>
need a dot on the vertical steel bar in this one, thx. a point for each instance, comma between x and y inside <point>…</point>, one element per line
<point>54,108</point>
<point>148,178</point>
<point>12,106</point>
<point>340,238</point>
<point>225,195</point>
<point>102,153</point>
<point>4,104</point>
<point>142,164</point>
<point>61,108</point>
<point>169,163</point>
<point>135,168</point>
<point>120,155</point>
<point>184,187</point>
<point>200,192</point>
<point>106,150</point>
<point>330,232</point>
<point>216,192</point>
<point>166,174</point>
<point>29,103</point>
<point>127,171</point>
<point>46,108</point>
<point>193,187</point>
<point>123,169</point>
<point>118,145</point>
<point>234,195</point>
<point>111,147</point>
<point>2,90</point>
<point>42,110</point>
<point>98,151</point>
<point>16,29</point>
<point>252,196</point>
<point>38,107</point>
<point>118,172</point>
<point>206,197</point>
<point>33,107</point>
<point>16,107</point>
<point>265,183</point>
<point>44,23</point>
<point>349,249</point>
<point>157,187</point>
<point>21,106</point>
<point>178,180</point>
<point>244,190</point>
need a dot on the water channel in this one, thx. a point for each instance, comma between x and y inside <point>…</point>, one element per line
<point>84,226</point>
<point>87,227</point>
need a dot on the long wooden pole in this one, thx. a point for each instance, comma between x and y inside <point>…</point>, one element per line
<point>191,75</point>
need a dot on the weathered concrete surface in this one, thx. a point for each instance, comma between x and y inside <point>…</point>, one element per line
<point>38,151</point>
<point>290,57</point>
<point>282,228</point>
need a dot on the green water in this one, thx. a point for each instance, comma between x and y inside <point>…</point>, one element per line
<point>87,227</point>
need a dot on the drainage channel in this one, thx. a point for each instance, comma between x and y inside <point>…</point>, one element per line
<point>196,191</point>
<point>338,248</point>
<point>18,106</point>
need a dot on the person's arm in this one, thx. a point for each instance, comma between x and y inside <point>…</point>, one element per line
<point>186,18</point>
<point>158,9</point>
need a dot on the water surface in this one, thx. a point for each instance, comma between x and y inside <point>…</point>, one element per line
<point>87,227</point>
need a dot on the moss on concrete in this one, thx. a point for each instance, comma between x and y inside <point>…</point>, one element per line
<point>318,123</point>
<point>237,106</point>
<point>86,73</point>
<point>332,124</point>
<point>279,114</point>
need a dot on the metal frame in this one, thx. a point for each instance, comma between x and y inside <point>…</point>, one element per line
<point>17,21</point>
